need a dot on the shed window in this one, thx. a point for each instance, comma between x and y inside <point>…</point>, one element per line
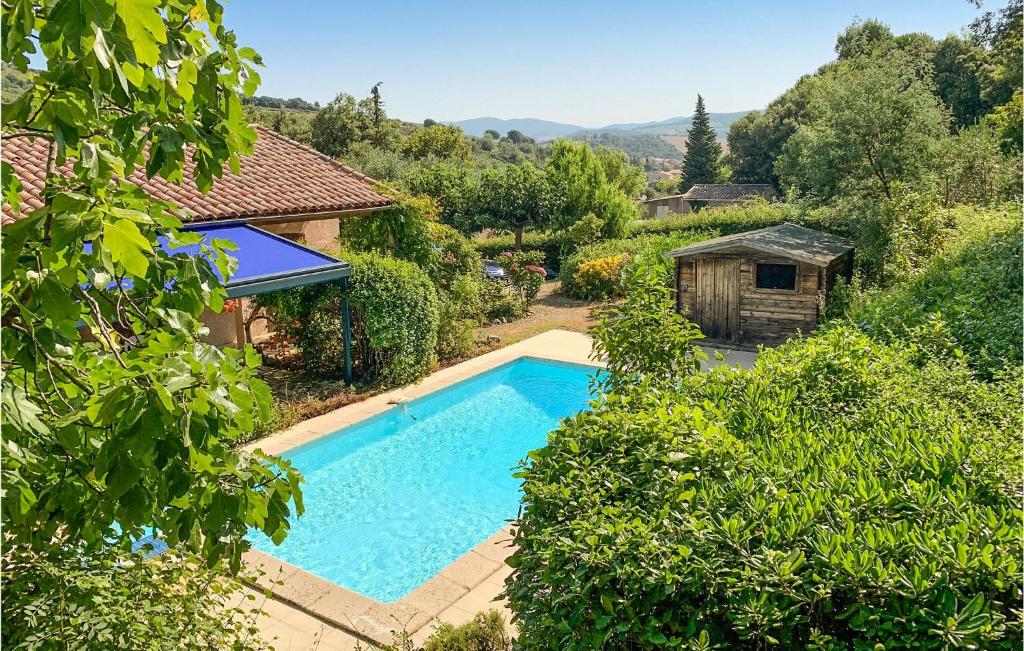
<point>776,276</point>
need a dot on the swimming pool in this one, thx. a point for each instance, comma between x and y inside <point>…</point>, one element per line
<point>392,500</point>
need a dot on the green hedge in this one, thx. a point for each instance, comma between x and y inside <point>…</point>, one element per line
<point>724,220</point>
<point>550,244</point>
<point>394,309</point>
<point>840,495</point>
<point>649,250</point>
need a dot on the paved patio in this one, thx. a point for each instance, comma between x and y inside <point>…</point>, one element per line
<point>307,612</point>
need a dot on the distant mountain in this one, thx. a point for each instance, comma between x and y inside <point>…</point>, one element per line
<point>676,126</point>
<point>542,130</point>
<point>539,130</point>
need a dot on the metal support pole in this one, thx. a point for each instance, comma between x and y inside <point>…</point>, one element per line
<point>346,327</point>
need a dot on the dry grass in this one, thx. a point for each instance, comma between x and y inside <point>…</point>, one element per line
<point>551,310</point>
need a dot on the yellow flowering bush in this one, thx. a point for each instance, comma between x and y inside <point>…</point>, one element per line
<point>600,277</point>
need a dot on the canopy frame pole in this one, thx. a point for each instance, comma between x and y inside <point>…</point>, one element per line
<point>346,329</point>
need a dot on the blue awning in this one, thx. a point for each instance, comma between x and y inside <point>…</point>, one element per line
<point>267,262</point>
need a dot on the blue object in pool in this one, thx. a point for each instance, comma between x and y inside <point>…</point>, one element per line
<point>149,546</point>
<point>394,499</point>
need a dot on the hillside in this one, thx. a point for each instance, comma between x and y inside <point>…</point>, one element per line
<point>539,130</point>
<point>639,145</point>
<point>13,83</point>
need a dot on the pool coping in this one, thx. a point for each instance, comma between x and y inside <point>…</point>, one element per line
<point>374,621</point>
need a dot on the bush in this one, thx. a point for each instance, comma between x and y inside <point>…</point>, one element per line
<point>460,311</point>
<point>405,230</point>
<point>725,220</point>
<point>485,632</point>
<point>394,321</point>
<point>838,495</point>
<point>501,302</point>
<point>525,273</point>
<point>549,244</point>
<point>646,251</point>
<point>600,278</point>
<point>61,599</point>
<point>973,285</point>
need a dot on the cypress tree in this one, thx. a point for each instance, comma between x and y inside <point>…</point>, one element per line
<point>703,151</point>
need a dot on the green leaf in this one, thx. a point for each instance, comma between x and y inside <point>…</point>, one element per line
<point>127,246</point>
<point>145,28</point>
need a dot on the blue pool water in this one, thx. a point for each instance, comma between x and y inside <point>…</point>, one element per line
<point>394,499</point>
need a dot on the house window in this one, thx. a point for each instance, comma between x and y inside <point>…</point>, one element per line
<point>776,276</point>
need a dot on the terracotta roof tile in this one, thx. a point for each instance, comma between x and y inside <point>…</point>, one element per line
<point>281,177</point>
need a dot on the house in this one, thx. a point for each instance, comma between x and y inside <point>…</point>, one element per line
<point>284,187</point>
<point>759,287</point>
<point>661,175</point>
<point>665,206</point>
<point>708,194</point>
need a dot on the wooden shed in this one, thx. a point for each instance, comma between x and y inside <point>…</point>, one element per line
<point>759,287</point>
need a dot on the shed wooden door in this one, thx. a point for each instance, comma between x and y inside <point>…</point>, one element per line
<point>718,297</point>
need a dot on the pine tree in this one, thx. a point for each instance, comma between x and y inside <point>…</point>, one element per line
<point>703,150</point>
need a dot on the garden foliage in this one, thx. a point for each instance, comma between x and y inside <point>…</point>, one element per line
<point>394,309</point>
<point>841,494</point>
<point>646,251</point>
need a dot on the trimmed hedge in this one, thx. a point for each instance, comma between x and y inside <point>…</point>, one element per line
<point>394,309</point>
<point>725,220</point>
<point>550,244</point>
<point>839,495</point>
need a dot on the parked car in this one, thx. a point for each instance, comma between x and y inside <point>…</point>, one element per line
<point>493,270</point>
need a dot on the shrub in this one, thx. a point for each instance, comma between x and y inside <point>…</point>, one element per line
<point>549,244</point>
<point>454,256</point>
<point>646,251</point>
<point>460,311</point>
<point>394,321</point>
<point>835,496</point>
<point>500,302</point>
<point>600,278</point>
<point>404,230</point>
<point>725,220</point>
<point>62,600</point>
<point>485,632</point>
<point>524,272</point>
<point>973,285</point>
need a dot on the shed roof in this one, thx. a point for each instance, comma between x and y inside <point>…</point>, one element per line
<point>785,240</point>
<point>729,191</point>
<point>281,177</point>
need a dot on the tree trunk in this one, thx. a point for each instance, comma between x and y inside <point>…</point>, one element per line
<point>519,238</point>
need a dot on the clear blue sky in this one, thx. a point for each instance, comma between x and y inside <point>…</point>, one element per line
<point>588,63</point>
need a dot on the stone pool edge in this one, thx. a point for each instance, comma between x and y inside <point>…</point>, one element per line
<point>375,621</point>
